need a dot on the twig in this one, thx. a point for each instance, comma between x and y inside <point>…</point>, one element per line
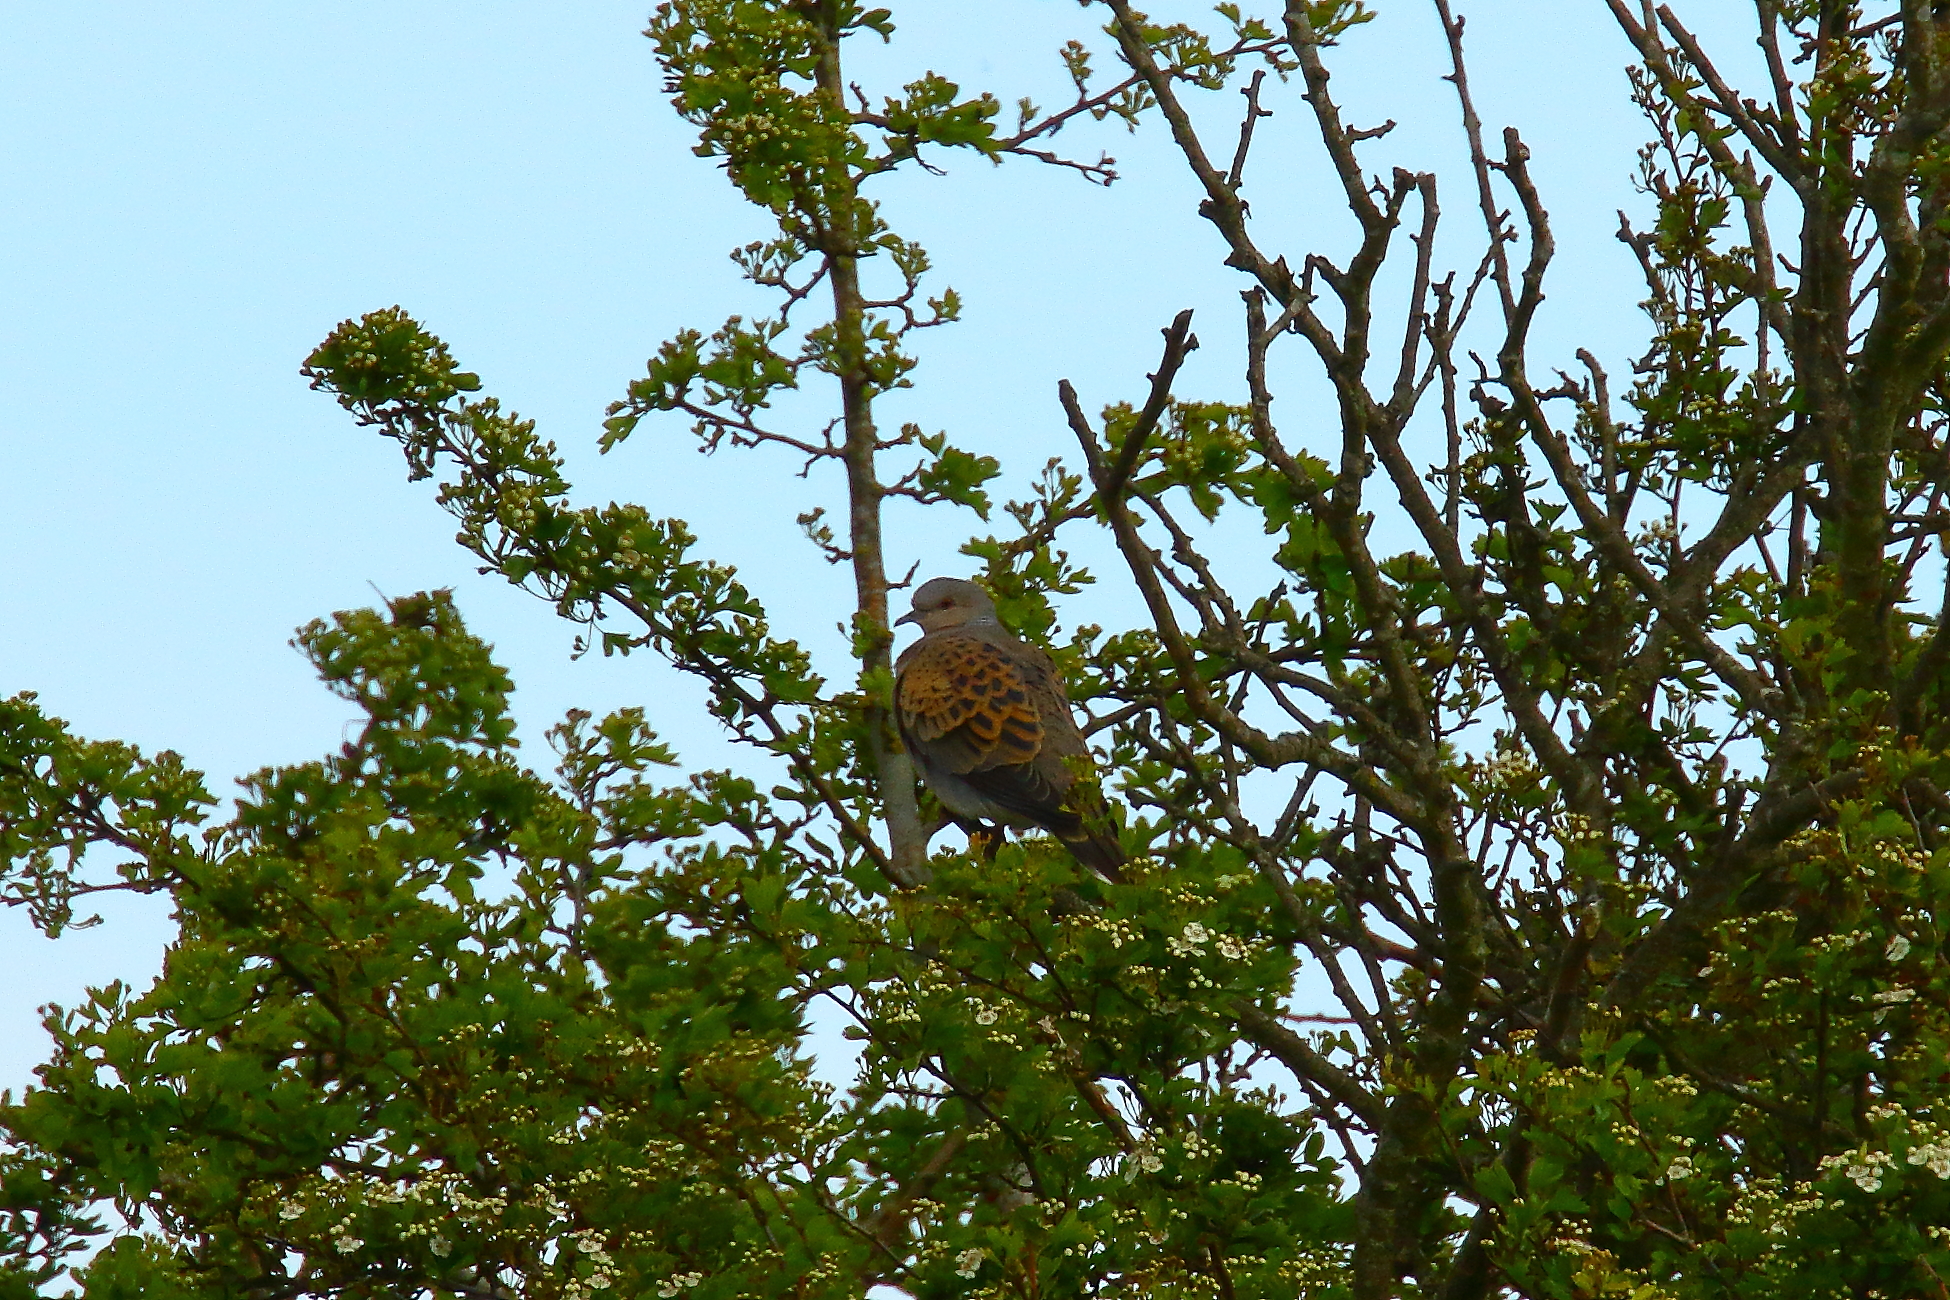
<point>1179,343</point>
<point>1253,113</point>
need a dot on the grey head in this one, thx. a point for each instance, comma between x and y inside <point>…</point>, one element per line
<point>950,602</point>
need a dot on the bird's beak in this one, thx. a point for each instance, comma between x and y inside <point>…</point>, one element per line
<point>909,617</point>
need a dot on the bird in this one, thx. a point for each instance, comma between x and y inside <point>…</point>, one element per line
<point>987,723</point>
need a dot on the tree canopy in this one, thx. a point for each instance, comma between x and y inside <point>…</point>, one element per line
<point>1537,882</point>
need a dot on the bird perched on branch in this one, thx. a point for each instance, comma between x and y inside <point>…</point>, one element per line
<point>986,721</point>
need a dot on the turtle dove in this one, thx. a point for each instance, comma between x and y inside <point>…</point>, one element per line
<point>985,719</point>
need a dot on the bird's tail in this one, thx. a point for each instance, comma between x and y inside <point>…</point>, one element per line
<point>1095,846</point>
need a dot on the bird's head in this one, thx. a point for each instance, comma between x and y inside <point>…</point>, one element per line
<point>949,602</point>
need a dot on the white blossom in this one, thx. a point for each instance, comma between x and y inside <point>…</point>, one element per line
<point>1190,941</point>
<point>1863,1168</point>
<point>969,1262</point>
<point>1933,1156</point>
<point>1866,1177</point>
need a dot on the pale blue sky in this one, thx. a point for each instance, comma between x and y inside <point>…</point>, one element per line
<point>195,194</point>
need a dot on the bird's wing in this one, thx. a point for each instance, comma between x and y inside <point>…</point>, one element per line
<point>966,704</point>
<point>1042,787</point>
<point>1062,740</point>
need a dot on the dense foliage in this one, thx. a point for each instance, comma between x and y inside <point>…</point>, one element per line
<point>1538,889</point>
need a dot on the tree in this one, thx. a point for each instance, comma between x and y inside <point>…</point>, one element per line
<point>1589,752</point>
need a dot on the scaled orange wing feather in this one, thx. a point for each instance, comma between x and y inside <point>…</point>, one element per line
<point>962,699</point>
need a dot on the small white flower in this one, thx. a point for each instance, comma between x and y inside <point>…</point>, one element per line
<point>986,1016</point>
<point>1189,942</point>
<point>1894,995</point>
<point>969,1262</point>
<point>1680,1168</point>
<point>1933,1156</point>
<point>1898,948</point>
<point>1863,1168</point>
<point>346,1245</point>
<point>439,1245</point>
<point>290,1210</point>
